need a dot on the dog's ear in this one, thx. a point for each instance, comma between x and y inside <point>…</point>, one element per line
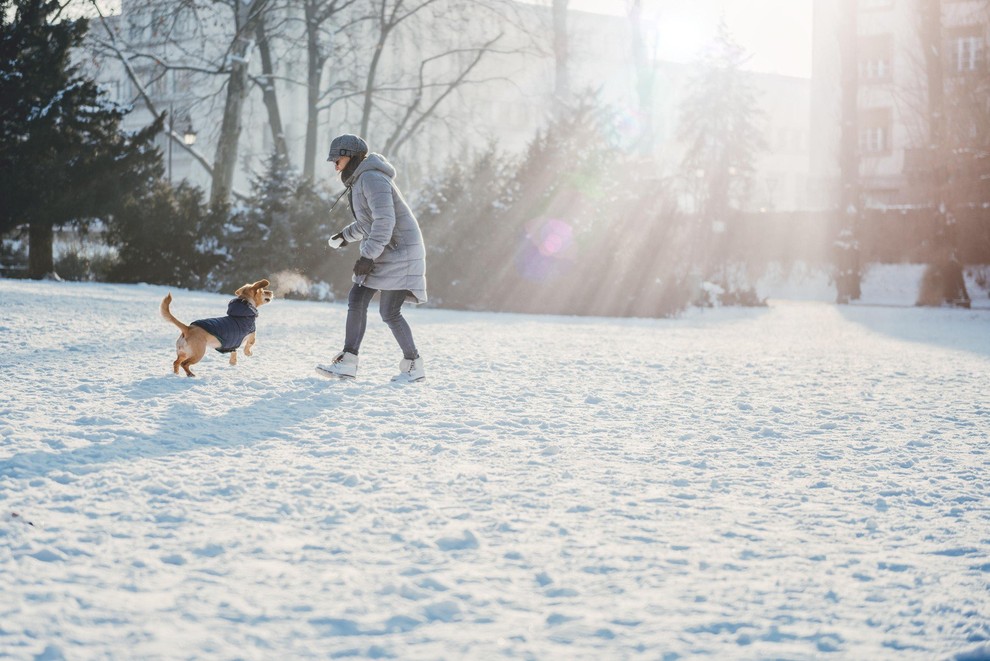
<point>242,290</point>
<point>261,284</point>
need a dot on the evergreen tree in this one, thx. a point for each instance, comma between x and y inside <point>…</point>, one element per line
<point>282,228</point>
<point>63,157</point>
<point>574,225</point>
<point>462,213</point>
<point>721,126</point>
<point>167,237</point>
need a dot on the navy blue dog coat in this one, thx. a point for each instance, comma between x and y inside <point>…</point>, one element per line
<point>232,329</point>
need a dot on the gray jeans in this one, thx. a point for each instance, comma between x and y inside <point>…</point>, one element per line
<point>390,307</point>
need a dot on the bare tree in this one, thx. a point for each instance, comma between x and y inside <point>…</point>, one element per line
<point>266,81</point>
<point>246,17</point>
<point>165,41</point>
<point>386,21</point>
<point>846,246</point>
<point>967,100</point>
<point>323,23</point>
<point>946,269</point>
<point>408,78</point>
<point>394,66</point>
<point>131,55</point>
<point>388,67</point>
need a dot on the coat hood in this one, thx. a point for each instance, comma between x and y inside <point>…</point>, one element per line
<point>372,162</point>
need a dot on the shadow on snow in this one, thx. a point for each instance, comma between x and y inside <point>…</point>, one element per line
<point>264,415</point>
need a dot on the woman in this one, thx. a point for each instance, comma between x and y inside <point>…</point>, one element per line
<point>393,256</point>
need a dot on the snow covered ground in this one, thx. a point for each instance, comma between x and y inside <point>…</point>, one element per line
<point>882,284</point>
<point>801,481</point>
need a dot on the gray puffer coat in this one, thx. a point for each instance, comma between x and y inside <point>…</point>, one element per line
<point>387,230</point>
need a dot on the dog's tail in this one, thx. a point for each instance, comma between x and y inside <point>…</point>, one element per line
<point>168,314</point>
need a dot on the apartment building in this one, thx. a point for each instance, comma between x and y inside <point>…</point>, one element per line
<point>893,113</point>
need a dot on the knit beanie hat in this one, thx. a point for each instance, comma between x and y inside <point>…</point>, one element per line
<point>346,145</point>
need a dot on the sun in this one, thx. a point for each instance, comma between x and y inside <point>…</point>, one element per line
<point>682,37</point>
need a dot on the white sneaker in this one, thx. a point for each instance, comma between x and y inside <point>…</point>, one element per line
<point>410,370</point>
<point>344,366</point>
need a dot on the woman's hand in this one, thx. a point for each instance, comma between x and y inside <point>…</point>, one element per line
<point>337,241</point>
<point>363,266</point>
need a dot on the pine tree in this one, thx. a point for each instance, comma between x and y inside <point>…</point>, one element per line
<point>63,157</point>
<point>192,250</point>
<point>721,127</point>
<point>282,228</point>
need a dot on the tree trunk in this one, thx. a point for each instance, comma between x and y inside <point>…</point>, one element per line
<point>230,128</point>
<point>946,260</point>
<point>40,254</point>
<point>846,245</point>
<point>268,93</point>
<point>314,74</point>
<point>247,17</point>
<point>369,87</point>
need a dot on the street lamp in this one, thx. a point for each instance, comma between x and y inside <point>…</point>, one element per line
<point>188,138</point>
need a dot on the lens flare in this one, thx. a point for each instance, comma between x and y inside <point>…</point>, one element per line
<point>626,129</point>
<point>547,249</point>
<point>553,236</point>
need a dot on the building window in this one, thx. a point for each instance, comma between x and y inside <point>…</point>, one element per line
<point>966,54</point>
<point>874,131</point>
<point>877,69</point>
<point>965,48</point>
<point>873,139</point>
<point>875,55</point>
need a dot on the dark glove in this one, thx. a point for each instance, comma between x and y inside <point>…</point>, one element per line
<point>337,241</point>
<point>363,266</point>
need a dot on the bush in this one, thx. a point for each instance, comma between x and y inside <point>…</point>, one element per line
<point>980,276</point>
<point>13,258</point>
<point>167,237</point>
<point>85,265</point>
<point>459,213</point>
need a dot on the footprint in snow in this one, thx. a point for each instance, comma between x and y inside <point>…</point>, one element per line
<point>467,541</point>
<point>47,555</point>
